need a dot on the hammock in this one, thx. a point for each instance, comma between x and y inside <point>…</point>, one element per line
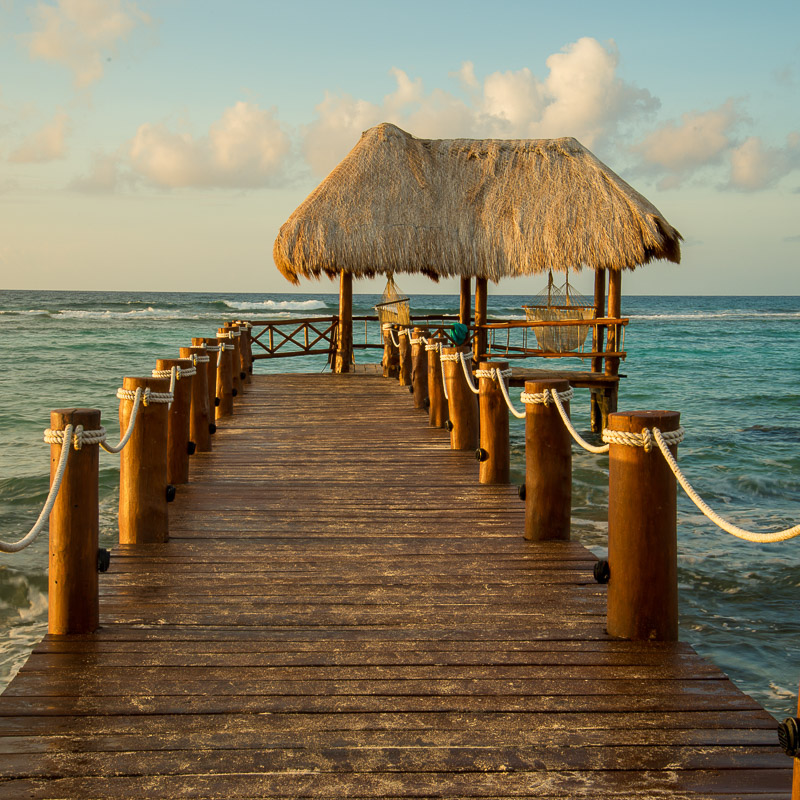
<point>556,303</point>
<point>394,307</point>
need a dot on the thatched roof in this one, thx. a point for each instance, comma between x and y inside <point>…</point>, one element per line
<point>493,208</point>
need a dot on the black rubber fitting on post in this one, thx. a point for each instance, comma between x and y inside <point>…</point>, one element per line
<point>242,375</point>
<point>427,403</point>
<point>789,736</point>
<point>602,571</point>
<point>250,370</point>
<point>216,402</point>
<point>481,455</point>
<point>234,392</point>
<point>103,559</point>
<point>212,428</point>
<point>448,425</point>
<point>191,448</point>
<point>521,491</point>
<point>171,492</point>
<point>411,389</point>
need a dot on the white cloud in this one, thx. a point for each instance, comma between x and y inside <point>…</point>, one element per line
<point>80,34</point>
<point>701,138</point>
<point>245,148</point>
<point>46,144</point>
<point>582,96</point>
<point>756,166</point>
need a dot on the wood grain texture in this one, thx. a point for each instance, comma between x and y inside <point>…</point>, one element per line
<point>342,610</point>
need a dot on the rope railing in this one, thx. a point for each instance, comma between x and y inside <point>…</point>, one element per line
<point>468,374</point>
<point>38,526</point>
<point>733,530</point>
<point>75,437</point>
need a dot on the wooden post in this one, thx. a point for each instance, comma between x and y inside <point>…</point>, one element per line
<point>391,356</point>
<point>548,467</point>
<point>179,421</point>
<point>143,501</point>
<point>237,373</point>
<point>465,304</point>
<point>495,452</point>
<point>598,338</point>
<point>481,304</point>
<point>211,375</point>
<point>74,527</point>
<point>796,770</point>
<point>246,350</point>
<point>199,412</point>
<point>438,402</point>
<point>225,387</point>
<point>344,334</point>
<point>462,402</point>
<point>642,533</point>
<point>419,370</point>
<point>404,352</point>
<point>614,311</point>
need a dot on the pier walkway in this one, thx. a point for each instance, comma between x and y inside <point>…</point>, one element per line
<point>344,611</point>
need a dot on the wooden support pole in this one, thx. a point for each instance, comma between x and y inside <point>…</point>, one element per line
<point>391,356</point>
<point>211,376</point>
<point>419,370</point>
<point>74,527</point>
<point>237,373</point>
<point>465,304</point>
<point>642,533</point>
<point>404,354</point>
<point>598,332</point>
<point>225,387</point>
<point>143,516</point>
<point>548,467</point>
<point>179,422</point>
<point>199,411</point>
<point>495,452</point>
<point>462,402</point>
<point>614,311</point>
<point>344,331</point>
<point>481,305</point>
<point>438,402</point>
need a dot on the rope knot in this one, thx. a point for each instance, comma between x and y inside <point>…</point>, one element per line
<point>146,397</point>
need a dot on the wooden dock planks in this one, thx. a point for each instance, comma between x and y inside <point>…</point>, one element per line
<point>343,611</point>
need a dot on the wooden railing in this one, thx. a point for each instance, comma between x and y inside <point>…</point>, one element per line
<point>279,338</point>
<point>294,337</point>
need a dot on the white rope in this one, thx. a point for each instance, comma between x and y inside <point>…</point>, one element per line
<point>468,374</point>
<point>518,414</point>
<point>544,398</point>
<point>212,348</point>
<point>734,530</point>
<point>21,544</point>
<point>442,359</point>
<point>596,449</point>
<point>148,397</point>
<point>644,439</point>
<point>394,339</point>
<point>201,359</point>
<point>431,347</point>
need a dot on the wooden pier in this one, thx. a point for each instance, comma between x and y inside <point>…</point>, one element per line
<point>342,610</point>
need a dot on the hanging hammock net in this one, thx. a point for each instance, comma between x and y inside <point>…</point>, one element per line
<point>394,307</point>
<point>556,304</point>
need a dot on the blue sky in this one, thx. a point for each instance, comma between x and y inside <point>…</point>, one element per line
<point>160,145</point>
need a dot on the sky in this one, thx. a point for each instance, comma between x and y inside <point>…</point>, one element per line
<point>158,145</point>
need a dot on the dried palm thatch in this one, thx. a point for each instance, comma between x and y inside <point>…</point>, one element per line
<point>490,208</point>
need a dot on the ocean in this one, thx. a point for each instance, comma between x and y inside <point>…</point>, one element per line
<point>730,365</point>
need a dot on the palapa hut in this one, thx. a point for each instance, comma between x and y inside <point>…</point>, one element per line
<point>483,208</point>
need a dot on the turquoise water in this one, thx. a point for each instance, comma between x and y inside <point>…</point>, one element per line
<point>728,364</point>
